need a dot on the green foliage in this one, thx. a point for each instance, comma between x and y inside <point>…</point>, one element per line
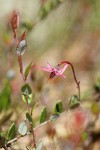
<point>5,97</point>
<point>59,107</point>
<point>84,136</point>
<point>26,93</point>
<point>97,85</point>
<point>2,141</point>
<point>27,25</point>
<point>22,129</point>
<point>27,70</point>
<point>54,117</point>
<point>11,132</point>
<point>29,118</point>
<point>95,108</point>
<point>47,7</point>
<point>43,115</point>
<point>33,108</point>
<point>74,102</point>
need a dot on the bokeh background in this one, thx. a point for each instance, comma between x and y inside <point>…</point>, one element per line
<point>57,30</point>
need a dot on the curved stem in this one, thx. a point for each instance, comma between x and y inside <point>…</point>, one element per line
<point>21,66</point>
<point>77,82</point>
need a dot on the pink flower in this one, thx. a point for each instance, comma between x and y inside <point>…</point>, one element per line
<point>54,70</point>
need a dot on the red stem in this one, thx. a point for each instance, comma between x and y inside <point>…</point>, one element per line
<point>77,82</point>
<point>21,66</point>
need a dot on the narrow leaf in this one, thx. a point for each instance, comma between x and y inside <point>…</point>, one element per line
<point>22,129</point>
<point>34,108</point>
<point>27,70</point>
<point>11,132</point>
<point>43,115</point>
<point>29,118</point>
<point>26,93</point>
<point>58,107</point>
<point>5,99</point>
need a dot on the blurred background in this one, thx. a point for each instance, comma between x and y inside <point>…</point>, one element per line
<point>57,30</point>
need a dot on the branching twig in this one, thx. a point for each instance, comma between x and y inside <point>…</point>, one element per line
<point>19,136</point>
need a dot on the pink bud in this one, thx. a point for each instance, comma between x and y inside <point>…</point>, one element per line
<point>15,22</point>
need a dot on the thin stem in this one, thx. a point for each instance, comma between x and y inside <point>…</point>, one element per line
<point>28,107</point>
<point>33,130</point>
<point>77,82</point>
<point>16,39</point>
<point>21,66</point>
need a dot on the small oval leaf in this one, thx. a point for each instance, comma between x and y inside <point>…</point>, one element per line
<point>58,107</point>
<point>22,129</point>
<point>29,118</point>
<point>43,115</point>
<point>54,117</point>
<point>26,93</point>
<point>74,102</point>
<point>11,132</point>
<point>21,48</point>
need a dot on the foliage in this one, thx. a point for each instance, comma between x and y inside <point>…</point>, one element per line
<point>70,120</point>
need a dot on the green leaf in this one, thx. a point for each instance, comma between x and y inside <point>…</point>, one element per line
<point>29,118</point>
<point>39,146</point>
<point>27,70</point>
<point>74,102</point>
<point>43,115</point>
<point>22,129</point>
<point>34,108</point>
<point>58,107</point>
<point>43,13</point>
<point>28,148</point>
<point>5,99</point>
<point>84,136</point>
<point>26,93</point>
<point>54,117</point>
<point>95,108</point>
<point>11,132</point>
<point>97,85</point>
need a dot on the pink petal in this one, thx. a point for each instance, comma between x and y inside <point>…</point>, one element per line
<point>45,69</point>
<point>62,75</point>
<point>63,69</point>
<point>49,66</point>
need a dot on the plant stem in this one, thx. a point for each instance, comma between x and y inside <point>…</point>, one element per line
<point>33,130</point>
<point>28,107</point>
<point>77,82</point>
<point>21,66</point>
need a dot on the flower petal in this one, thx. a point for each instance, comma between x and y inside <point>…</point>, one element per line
<point>49,66</point>
<point>62,75</point>
<point>63,69</point>
<point>44,68</point>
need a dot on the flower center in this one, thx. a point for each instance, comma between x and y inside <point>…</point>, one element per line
<point>52,74</point>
